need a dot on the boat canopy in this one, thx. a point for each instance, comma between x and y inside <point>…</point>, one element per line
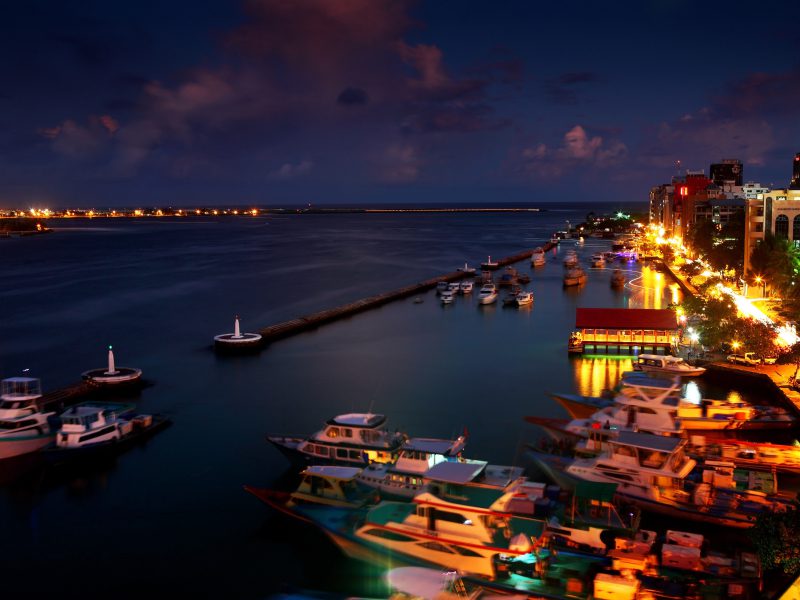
<point>434,446</point>
<point>456,472</point>
<point>648,441</point>
<point>358,420</point>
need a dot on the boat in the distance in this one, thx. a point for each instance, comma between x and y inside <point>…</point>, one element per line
<point>574,276</point>
<point>354,439</point>
<point>670,365</point>
<point>442,286</point>
<point>447,297</point>
<point>598,262</point>
<point>488,294</point>
<point>509,277</point>
<point>466,287</point>
<point>523,298</point>
<point>617,279</point>
<point>570,259</point>
<point>24,426</point>
<point>538,258</point>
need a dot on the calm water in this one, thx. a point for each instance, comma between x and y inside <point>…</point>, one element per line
<point>171,515</point>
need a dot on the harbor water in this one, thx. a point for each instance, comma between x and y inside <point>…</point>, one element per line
<point>170,516</point>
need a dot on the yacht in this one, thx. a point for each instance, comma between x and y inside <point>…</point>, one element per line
<point>405,478</point>
<point>355,439</point>
<point>598,262</point>
<point>466,287</point>
<point>655,473</point>
<point>524,298</point>
<point>453,286</point>
<point>448,297</point>
<point>671,365</point>
<point>575,276</point>
<point>537,258</point>
<point>488,294</point>
<point>24,427</point>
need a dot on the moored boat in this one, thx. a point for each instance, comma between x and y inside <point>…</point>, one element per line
<point>466,287</point>
<point>617,279</point>
<point>570,259</point>
<point>598,262</point>
<point>671,365</point>
<point>575,276</point>
<point>508,278</point>
<point>448,297</point>
<point>538,258</point>
<point>24,427</point>
<point>355,439</point>
<point>488,294</point>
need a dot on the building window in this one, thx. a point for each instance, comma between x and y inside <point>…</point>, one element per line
<point>760,211</point>
<point>759,227</point>
<point>782,226</point>
<point>796,228</point>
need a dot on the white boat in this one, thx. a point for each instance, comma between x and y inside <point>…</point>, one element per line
<point>355,439</point>
<point>524,298</point>
<point>537,258</point>
<point>654,471</point>
<point>598,262</point>
<point>91,423</point>
<point>454,286</point>
<point>488,294</point>
<point>448,297</point>
<point>575,276</point>
<point>466,287</point>
<point>406,477</point>
<point>24,428</point>
<point>570,259</point>
<point>672,365</point>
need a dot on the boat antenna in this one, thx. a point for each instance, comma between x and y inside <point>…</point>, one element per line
<point>369,410</point>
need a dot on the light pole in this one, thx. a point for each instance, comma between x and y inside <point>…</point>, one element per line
<point>763,283</point>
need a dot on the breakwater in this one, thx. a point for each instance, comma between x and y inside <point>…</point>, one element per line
<point>312,321</point>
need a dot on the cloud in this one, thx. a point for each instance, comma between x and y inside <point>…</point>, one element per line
<point>761,94</point>
<point>564,89</point>
<point>400,164</point>
<point>290,171</point>
<point>577,149</point>
<point>81,141</point>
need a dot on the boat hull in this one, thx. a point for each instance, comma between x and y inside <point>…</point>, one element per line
<point>581,407</point>
<point>11,447</point>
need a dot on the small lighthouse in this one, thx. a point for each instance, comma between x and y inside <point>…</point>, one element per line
<point>237,341</point>
<point>113,375</point>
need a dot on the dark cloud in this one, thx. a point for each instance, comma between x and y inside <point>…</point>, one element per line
<point>761,94</point>
<point>352,96</point>
<point>565,88</point>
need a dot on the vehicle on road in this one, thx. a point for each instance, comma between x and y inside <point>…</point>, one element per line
<point>748,358</point>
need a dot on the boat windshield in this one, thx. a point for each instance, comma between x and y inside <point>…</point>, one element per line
<point>84,420</point>
<point>678,460</point>
<point>14,404</point>
<point>12,425</point>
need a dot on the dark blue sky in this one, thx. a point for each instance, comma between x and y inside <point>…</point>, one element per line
<point>342,101</point>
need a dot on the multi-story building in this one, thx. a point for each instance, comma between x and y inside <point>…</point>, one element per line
<point>776,212</point>
<point>795,185</point>
<point>729,171</point>
<point>689,190</point>
<point>751,189</point>
<point>661,205</point>
<point>719,210</point>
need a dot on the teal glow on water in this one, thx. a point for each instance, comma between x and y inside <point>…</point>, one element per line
<point>171,515</point>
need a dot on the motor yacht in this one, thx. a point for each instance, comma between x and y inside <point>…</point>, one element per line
<point>671,365</point>
<point>575,276</point>
<point>570,259</point>
<point>488,294</point>
<point>448,297</point>
<point>466,287</point>
<point>355,439</point>
<point>524,298</point>
<point>24,427</point>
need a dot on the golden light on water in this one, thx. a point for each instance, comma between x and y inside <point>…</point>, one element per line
<point>651,289</point>
<point>595,373</point>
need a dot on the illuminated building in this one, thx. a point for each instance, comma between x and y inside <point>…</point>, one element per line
<point>776,212</point>
<point>726,173</point>
<point>795,184</point>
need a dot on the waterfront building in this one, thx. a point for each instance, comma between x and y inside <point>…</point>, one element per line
<point>661,205</point>
<point>777,212</point>
<point>689,190</point>
<point>795,184</point>
<point>624,330</point>
<point>729,171</point>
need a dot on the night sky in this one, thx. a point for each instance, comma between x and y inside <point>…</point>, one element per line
<point>365,101</point>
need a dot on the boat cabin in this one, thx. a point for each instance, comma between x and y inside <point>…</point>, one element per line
<point>20,393</point>
<point>418,455</point>
<point>90,423</point>
<point>356,428</point>
<point>663,454</point>
<point>331,485</point>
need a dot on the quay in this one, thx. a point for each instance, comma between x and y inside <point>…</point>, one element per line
<point>312,321</point>
<point>59,399</point>
<point>778,376</point>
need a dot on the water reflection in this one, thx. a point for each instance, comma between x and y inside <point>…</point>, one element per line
<point>653,290</point>
<point>594,373</point>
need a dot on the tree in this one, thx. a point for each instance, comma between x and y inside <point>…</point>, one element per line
<point>701,237</point>
<point>775,536</point>
<point>777,261</point>
<point>754,336</point>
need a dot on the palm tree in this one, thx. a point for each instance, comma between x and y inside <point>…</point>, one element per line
<point>777,261</point>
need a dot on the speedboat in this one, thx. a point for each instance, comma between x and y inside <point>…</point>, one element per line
<point>537,258</point>
<point>671,365</point>
<point>489,265</point>
<point>598,262</point>
<point>448,297</point>
<point>524,298</point>
<point>575,276</point>
<point>655,473</point>
<point>617,279</point>
<point>91,427</point>
<point>466,287</point>
<point>354,439</point>
<point>24,427</point>
<point>488,294</point>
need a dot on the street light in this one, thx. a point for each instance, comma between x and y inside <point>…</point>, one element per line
<point>764,286</point>
<point>735,345</point>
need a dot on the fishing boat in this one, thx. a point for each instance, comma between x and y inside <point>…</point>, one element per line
<point>655,473</point>
<point>488,294</point>
<point>328,485</point>
<point>538,258</point>
<point>405,478</point>
<point>575,276</point>
<point>24,427</point>
<point>355,439</point>
<point>466,287</point>
<point>91,428</point>
<point>490,265</point>
<point>617,279</point>
<point>671,365</point>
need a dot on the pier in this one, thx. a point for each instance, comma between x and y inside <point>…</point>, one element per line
<point>59,399</point>
<point>778,376</point>
<point>314,320</point>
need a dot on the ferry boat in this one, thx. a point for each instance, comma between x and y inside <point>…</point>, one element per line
<point>538,258</point>
<point>91,427</point>
<point>24,427</point>
<point>575,276</point>
<point>327,485</point>
<point>355,439</point>
<point>488,294</point>
<point>617,279</point>
<point>671,365</point>
<point>655,473</point>
<point>406,477</point>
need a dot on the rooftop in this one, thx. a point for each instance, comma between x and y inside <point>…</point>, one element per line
<point>625,318</point>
